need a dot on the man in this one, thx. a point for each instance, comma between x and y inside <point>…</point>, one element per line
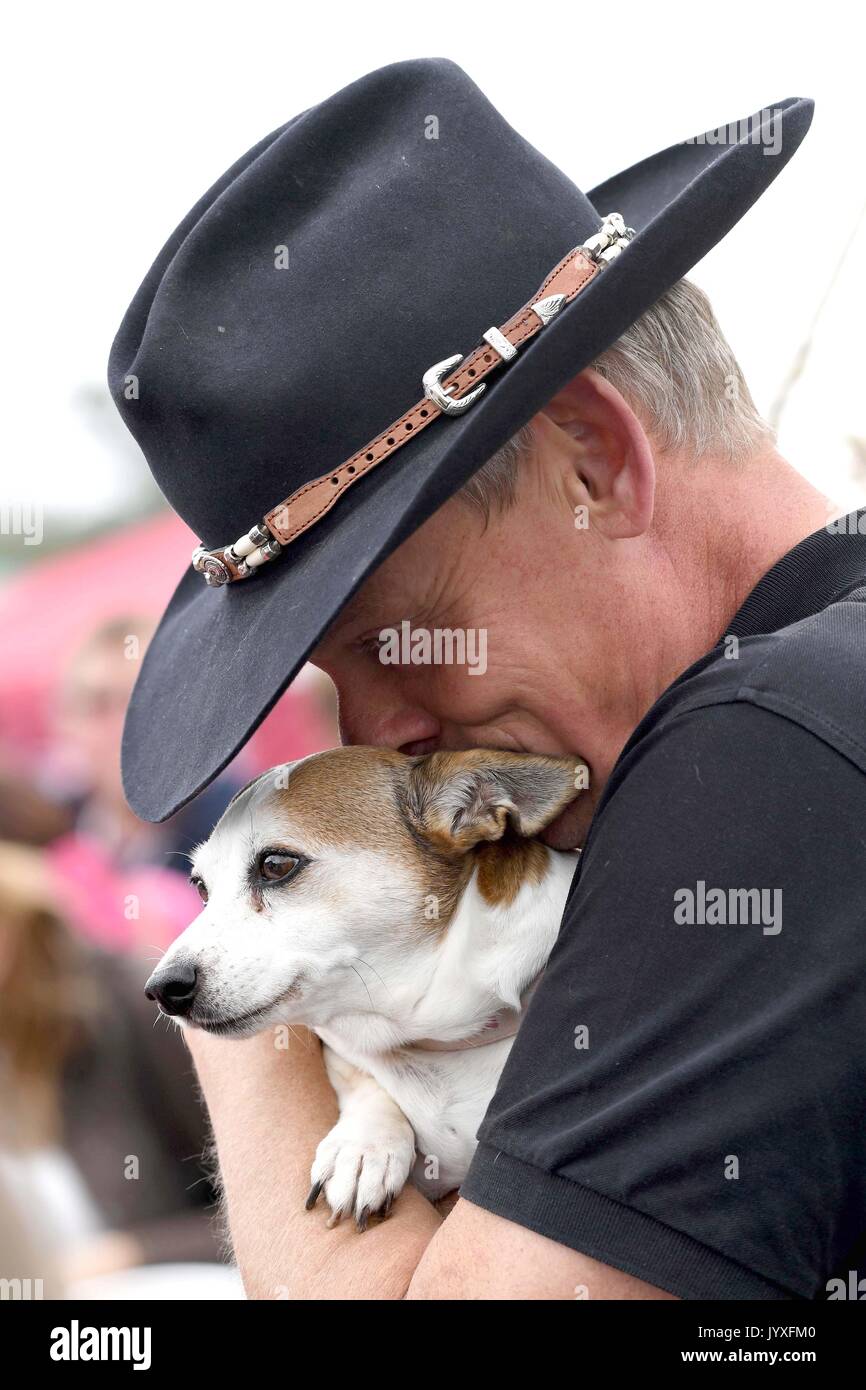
<point>682,1112</point>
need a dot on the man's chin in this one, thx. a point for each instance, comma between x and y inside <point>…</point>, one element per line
<point>569,829</point>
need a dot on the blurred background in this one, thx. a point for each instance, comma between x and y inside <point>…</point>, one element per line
<point>116,120</point>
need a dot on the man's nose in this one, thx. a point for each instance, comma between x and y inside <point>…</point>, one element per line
<point>173,987</point>
<point>382,725</point>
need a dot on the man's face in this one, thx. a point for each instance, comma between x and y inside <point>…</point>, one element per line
<point>568,668</point>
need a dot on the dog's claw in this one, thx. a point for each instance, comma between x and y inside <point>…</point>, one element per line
<point>362,1164</point>
<point>313,1195</point>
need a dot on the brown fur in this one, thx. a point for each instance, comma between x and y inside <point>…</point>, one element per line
<point>505,865</point>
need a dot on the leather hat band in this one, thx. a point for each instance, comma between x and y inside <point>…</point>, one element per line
<point>450,388</point>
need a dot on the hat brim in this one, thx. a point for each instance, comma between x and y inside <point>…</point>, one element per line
<point>221,658</point>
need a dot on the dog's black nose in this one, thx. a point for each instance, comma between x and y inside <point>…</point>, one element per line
<point>173,989</point>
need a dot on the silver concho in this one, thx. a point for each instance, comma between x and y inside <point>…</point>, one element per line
<point>215,571</point>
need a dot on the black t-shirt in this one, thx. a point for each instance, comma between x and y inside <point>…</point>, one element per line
<point>686,1098</point>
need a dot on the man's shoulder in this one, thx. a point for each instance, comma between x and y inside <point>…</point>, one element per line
<point>812,673</point>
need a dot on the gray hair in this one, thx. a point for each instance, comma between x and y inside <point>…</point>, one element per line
<point>676,370</point>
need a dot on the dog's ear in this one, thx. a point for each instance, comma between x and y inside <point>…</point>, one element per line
<point>459,799</point>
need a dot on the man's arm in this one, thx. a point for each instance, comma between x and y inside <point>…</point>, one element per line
<point>269,1108</point>
<point>478,1255</point>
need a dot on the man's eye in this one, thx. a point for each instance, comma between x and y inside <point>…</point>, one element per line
<point>371,646</point>
<point>274,866</point>
<point>199,886</point>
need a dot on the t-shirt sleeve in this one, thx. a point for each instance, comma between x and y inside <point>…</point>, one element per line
<point>686,1097</point>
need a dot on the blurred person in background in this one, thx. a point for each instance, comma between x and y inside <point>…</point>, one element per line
<point>125,881</point>
<point>91,708</point>
<point>100,1126</point>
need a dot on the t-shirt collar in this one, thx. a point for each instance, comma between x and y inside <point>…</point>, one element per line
<point>820,569</point>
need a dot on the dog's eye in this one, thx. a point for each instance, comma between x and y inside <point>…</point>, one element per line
<point>274,866</point>
<point>199,885</point>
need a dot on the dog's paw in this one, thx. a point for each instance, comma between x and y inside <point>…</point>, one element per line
<point>363,1164</point>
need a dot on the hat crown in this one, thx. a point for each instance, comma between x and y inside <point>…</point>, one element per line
<point>293,313</point>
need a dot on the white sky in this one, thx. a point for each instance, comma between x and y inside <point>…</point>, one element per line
<point>119,116</point>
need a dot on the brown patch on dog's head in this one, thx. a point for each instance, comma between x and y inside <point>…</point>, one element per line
<point>338,797</point>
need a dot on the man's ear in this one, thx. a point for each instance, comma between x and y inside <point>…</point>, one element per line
<point>611,468</point>
<point>458,799</point>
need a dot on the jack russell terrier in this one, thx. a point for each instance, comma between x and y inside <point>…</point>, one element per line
<point>399,907</point>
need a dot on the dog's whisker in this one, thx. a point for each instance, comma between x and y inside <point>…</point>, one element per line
<point>364,983</point>
<point>305,1045</point>
<point>361,961</point>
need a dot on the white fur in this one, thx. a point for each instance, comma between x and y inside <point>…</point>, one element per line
<point>486,961</point>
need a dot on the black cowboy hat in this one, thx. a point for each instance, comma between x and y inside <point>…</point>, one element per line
<point>271,363</point>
